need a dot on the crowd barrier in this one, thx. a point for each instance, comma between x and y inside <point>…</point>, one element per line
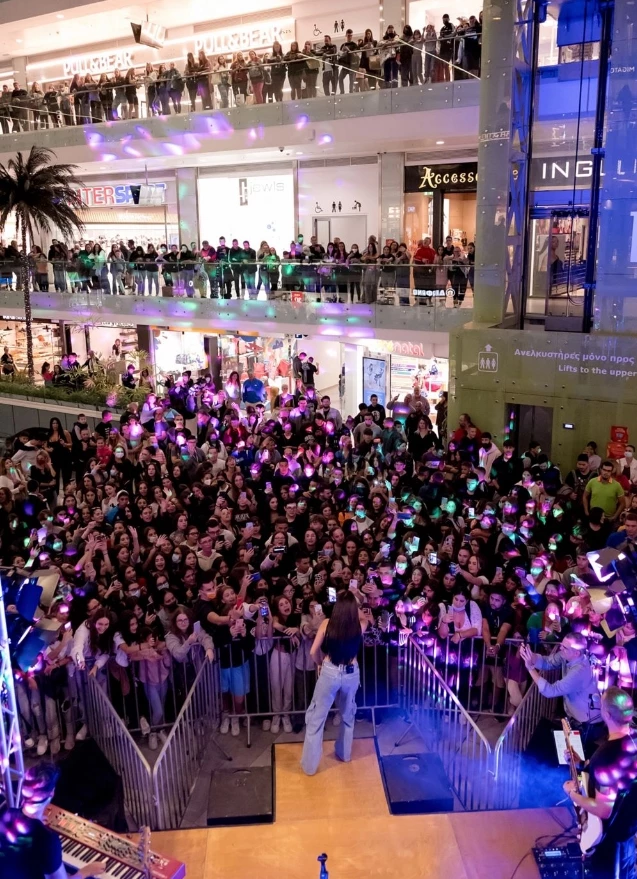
<point>288,280</point>
<point>448,730</point>
<point>221,89</point>
<point>282,675</point>
<point>176,769</point>
<point>485,679</point>
<point>121,751</point>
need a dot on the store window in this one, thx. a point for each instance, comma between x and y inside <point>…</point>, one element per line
<point>440,200</point>
<point>47,343</point>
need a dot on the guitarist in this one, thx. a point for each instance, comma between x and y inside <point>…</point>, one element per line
<point>612,791</point>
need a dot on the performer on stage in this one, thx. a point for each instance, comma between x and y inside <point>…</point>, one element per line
<point>577,685</point>
<point>28,848</point>
<point>613,791</point>
<point>339,639</point>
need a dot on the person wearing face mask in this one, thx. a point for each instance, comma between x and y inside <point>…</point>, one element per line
<point>389,48</point>
<point>628,465</point>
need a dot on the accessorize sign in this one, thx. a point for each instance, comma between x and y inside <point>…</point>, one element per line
<point>451,178</point>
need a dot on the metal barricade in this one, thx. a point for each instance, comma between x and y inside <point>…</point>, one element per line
<point>178,764</point>
<point>448,730</point>
<point>514,740</point>
<point>119,748</point>
<point>486,679</point>
<point>277,681</point>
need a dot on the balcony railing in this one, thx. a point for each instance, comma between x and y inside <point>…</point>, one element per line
<point>339,299</point>
<point>63,105</point>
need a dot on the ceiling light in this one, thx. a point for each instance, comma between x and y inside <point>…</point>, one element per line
<point>439,142</point>
<point>18,41</point>
<point>60,15</point>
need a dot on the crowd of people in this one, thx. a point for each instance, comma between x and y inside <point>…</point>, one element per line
<point>358,63</point>
<point>201,525</point>
<point>335,272</point>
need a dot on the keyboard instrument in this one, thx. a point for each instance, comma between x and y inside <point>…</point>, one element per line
<point>84,842</point>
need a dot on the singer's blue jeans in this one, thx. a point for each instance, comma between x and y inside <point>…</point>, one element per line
<point>334,683</point>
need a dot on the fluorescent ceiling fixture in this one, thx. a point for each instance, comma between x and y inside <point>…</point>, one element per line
<point>439,142</point>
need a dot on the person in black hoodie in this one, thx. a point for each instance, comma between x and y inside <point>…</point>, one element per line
<point>328,54</point>
<point>187,270</point>
<point>405,54</point>
<point>273,90</point>
<point>105,90</point>
<point>52,106</point>
<point>249,269</point>
<point>235,258</point>
<point>348,62</point>
<point>19,113</point>
<point>297,66</point>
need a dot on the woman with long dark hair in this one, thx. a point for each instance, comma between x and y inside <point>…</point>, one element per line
<point>335,649</point>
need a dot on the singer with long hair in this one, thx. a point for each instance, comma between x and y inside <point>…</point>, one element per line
<point>335,651</point>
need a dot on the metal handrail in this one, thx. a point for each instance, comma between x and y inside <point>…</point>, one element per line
<point>175,771</point>
<point>121,751</point>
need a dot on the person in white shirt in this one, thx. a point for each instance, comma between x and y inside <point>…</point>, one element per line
<point>628,465</point>
<point>26,456</point>
<point>488,453</point>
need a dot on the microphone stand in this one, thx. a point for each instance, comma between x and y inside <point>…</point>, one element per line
<point>323,874</point>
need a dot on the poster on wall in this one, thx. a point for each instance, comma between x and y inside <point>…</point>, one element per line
<point>176,351</point>
<point>255,209</point>
<point>374,379</point>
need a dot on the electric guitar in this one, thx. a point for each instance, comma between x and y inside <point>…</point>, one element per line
<point>591,828</point>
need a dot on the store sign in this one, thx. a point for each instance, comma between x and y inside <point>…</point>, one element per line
<point>113,194</point>
<point>245,37</point>
<point>451,178</point>
<point>562,172</point>
<point>407,349</point>
<point>433,294</point>
<point>104,62</point>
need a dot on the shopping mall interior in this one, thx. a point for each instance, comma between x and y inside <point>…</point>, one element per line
<point>318,499</point>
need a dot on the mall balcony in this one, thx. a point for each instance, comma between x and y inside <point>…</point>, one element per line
<point>344,121</point>
<point>354,302</point>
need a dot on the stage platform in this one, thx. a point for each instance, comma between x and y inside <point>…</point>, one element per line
<point>343,811</point>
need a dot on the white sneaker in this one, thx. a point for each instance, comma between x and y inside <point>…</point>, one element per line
<point>235,729</point>
<point>265,725</point>
<point>69,742</point>
<point>43,745</point>
<point>82,733</point>
<point>275,726</point>
<point>29,743</point>
<point>55,747</point>
<point>287,724</point>
<point>225,726</point>
<point>152,741</point>
<point>144,726</point>
<point>162,736</point>
<point>336,720</point>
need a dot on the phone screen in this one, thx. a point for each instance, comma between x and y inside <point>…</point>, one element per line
<point>433,558</point>
<point>331,594</point>
<point>472,512</point>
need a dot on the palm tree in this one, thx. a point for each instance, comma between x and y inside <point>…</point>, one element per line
<point>43,197</point>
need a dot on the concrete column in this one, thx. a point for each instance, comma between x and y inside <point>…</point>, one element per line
<point>505,93</point>
<point>187,205</point>
<point>615,300</point>
<point>20,67</point>
<point>392,173</point>
<point>392,12</point>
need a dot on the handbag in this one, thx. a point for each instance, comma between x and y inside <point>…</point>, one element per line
<point>374,62</point>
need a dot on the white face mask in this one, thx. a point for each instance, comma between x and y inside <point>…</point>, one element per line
<point>628,455</point>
